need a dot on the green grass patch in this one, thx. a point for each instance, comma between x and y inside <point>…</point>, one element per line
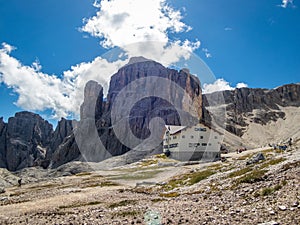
<point>216,167</point>
<point>149,162</point>
<point>248,156</point>
<point>77,205</point>
<point>188,179</point>
<point>83,174</point>
<point>122,203</point>
<point>240,172</point>
<point>161,156</point>
<point>272,162</point>
<point>157,200</point>
<point>169,195</point>
<point>252,177</point>
<point>99,184</point>
<point>199,176</point>
<point>271,190</point>
<point>140,175</point>
<point>132,213</point>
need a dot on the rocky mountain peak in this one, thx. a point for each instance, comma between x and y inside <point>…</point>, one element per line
<point>138,59</point>
<point>130,79</point>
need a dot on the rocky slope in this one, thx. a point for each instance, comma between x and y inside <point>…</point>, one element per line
<point>230,192</point>
<point>246,108</point>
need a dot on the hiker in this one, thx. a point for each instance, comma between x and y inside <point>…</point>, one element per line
<point>290,142</point>
<point>19,182</point>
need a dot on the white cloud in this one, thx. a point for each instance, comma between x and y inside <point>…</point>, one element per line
<point>206,52</point>
<point>140,27</point>
<point>241,85</point>
<point>228,29</point>
<point>286,3</point>
<point>7,48</point>
<point>221,85</point>
<point>40,91</point>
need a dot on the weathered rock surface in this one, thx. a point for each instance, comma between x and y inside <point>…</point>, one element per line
<point>3,127</point>
<point>102,132</point>
<point>28,140</point>
<point>253,105</point>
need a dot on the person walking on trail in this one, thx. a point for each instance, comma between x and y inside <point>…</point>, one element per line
<point>290,142</point>
<point>19,182</point>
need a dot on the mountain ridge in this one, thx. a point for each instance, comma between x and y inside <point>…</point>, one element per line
<point>28,140</point>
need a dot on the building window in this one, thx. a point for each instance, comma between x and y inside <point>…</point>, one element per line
<point>200,129</point>
<point>192,137</point>
<point>190,145</point>
<point>201,137</point>
<point>173,145</point>
<point>204,144</point>
<point>209,144</point>
<point>216,137</point>
<point>183,136</point>
<point>174,137</point>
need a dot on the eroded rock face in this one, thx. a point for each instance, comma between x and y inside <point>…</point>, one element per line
<point>253,105</point>
<point>97,114</point>
<point>93,100</point>
<point>27,139</point>
<point>3,127</point>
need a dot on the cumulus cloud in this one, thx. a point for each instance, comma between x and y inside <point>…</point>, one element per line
<point>221,85</point>
<point>137,27</point>
<point>241,85</point>
<point>286,3</point>
<point>40,91</point>
<point>141,27</point>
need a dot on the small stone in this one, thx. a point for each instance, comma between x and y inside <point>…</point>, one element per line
<point>295,204</point>
<point>232,213</point>
<point>272,213</point>
<point>282,207</point>
<point>269,223</point>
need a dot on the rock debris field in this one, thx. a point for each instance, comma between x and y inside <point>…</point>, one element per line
<point>160,191</point>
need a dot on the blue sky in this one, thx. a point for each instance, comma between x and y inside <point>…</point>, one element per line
<point>252,42</point>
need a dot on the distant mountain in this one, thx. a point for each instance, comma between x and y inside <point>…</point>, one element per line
<point>257,116</point>
<point>251,117</point>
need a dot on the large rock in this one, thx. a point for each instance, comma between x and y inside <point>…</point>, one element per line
<point>27,139</point>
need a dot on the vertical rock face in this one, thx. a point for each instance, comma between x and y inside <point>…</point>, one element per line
<point>256,105</point>
<point>94,113</point>
<point>90,112</point>
<point>3,127</point>
<point>93,100</point>
<point>174,97</point>
<point>64,129</point>
<point>27,139</point>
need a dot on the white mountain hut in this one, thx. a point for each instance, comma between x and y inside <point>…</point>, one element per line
<point>196,143</point>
